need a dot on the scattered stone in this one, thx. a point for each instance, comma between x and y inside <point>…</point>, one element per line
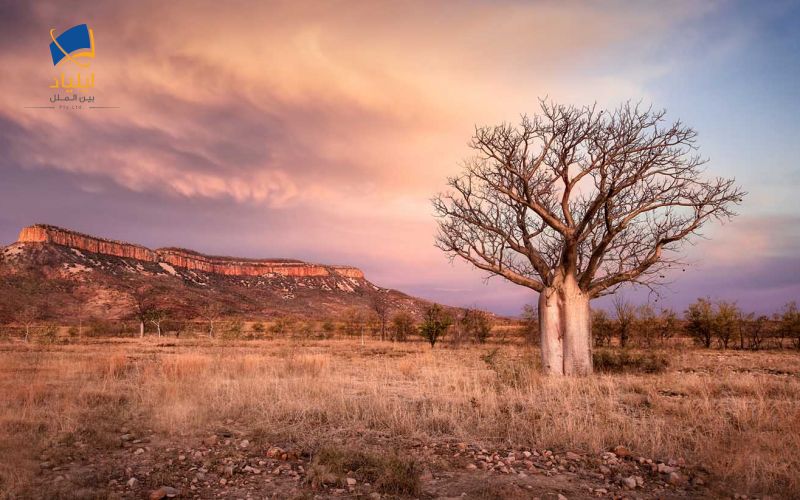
<point>244,444</point>
<point>351,481</point>
<point>675,479</point>
<point>274,452</point>
<point>471,466</point>
<point>374,495</point>
<point>251,470</point>
<point>601,491</point>
<point>164,492</point>
<point>138,451</point>
<point>210,440</point>
<point>629,482</point>
<point>132,482</point>
<point>526,454</point>
<point>665,469</point>
<point>126,437</point>
<point>572,456</point>
<point>639,481</point>
<point>223,481</point>
<point>621,451</point>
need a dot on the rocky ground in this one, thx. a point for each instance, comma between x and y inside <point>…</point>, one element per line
<point>229,464</point>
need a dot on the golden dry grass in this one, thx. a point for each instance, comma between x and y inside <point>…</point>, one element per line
<point>737,414</point>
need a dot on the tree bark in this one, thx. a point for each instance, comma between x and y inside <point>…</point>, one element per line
<point>141,329</point>
<point>565,325</point>
<point>550,331</point>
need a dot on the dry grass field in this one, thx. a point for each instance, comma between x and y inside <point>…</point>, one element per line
<point>120,418</point>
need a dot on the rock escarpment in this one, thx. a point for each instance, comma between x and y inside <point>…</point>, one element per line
<point>182,258</point>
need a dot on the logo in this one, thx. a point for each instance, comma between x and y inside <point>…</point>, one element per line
<point>67,45</point>
<point>72,53</point>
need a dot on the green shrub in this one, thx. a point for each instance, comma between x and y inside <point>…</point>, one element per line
<point>435,323</point>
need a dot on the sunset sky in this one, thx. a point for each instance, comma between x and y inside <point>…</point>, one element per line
<point>320,130</point>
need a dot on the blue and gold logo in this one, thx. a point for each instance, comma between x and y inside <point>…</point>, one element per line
<point>76,46</point>
<point>75,43</point>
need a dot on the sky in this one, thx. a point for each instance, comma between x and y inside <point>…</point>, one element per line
<point>321,130</point>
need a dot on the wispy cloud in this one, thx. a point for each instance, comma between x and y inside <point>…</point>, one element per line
<point>332,119</point>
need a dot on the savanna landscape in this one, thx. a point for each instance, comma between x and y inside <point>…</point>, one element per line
<point>399,250</point>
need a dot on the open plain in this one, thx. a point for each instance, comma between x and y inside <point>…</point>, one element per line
<point>291,418</point>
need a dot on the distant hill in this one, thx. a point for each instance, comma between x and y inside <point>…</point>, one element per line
<point>63,269</point>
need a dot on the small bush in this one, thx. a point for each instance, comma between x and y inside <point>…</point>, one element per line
<point>435,323</point>
<point>48,334</point>
<point>327,329</point>
<point>233,330</point>
<point>477,325</point>
<point>402,326</point>
<point>625,361</point>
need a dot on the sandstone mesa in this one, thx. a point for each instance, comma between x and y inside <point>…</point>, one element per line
<point>179,257</point>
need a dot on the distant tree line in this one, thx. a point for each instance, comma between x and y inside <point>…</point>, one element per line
<point>720,324</point>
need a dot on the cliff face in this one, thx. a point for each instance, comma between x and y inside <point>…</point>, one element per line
<point>187,259</point>
<point>50,234</point>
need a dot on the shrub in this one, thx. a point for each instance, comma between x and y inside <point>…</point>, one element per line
<point>602,328</point>
<point>789,324</point>
<point>258,327</point>
<point>328,328</point>
<point>402,326</point>
<point>530,324</point>
<point>700,321</point>
<point>622,361</point>
<point>354,322</point>
<point>305,329</point>
<point>233,330</point>
<point>435,323</point>
<point>726,321</point>
<point>667,324</point>
<point>48,334</point>
<point>754,330</point>
<point>476,324</point>
<point>281,326</point>
<point>626,315</point>
<point>645,323</point>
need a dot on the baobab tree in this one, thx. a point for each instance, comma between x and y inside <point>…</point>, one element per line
<point>575,202</point>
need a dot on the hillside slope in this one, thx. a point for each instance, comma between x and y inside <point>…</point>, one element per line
<point>63,269</point>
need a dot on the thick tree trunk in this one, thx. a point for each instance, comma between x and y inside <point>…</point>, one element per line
<point>550,331</point>
<point>565,325</point>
